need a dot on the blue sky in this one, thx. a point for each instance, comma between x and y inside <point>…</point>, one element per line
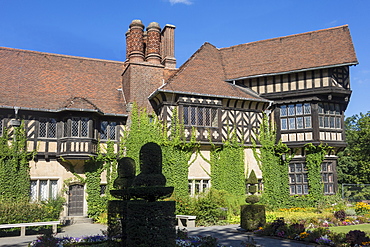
<point>96,28</point>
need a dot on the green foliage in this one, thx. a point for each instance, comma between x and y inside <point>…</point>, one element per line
<point>227,166</point>
<point>106,160</point>
<point>273,167</point>
<point>354,161</point>
<point>14,165</point>
<point>176,152</point>
<point>315,155</point>
<point>21,211</point>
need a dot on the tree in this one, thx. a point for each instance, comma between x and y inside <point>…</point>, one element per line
<point>354,161</point>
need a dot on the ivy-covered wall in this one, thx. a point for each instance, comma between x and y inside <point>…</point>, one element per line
<point>14,165</point>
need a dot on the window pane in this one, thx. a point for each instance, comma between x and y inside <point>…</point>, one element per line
<point>33,190</point>
<point>337,123</point>
<point>42,128</point>
<point>307,108</point>
<point>292,167</point>
<point>52,128</point>
<point>197,186</point>
<point>214,117</point>
<point>307,122</point>
<point>186,115</point>
<point>291,123</point>
<point>332,122</point>
<point>53,189</point>
<point>291,111</point>
<point>193,115</point>
<point>103,129</point>
<point>283,110</point>
<point>84,127</point>
<point>74,126</point>
<point>305,189</point>
<point>292,179</point>
<point>207,112</point>
<point>112,130</point>
<point>299,189</point>
<point>326,122</point>
<point>43,192</point>
<point>299,122</point>
<point>321,122</point>
<point>332,109</point>
<point>284,124</point>
<point>292,189</point>
<point>299,110</point>
<point>200,116</point>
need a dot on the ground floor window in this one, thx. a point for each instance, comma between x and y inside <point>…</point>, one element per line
<point>197,186</point>
<point>298,178</point>
<point>42,190</point>
<point>327,172</point>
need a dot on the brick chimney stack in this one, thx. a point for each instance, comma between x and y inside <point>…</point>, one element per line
<point>153,43</point>
<point>135,42</point>
<point>168,46</point>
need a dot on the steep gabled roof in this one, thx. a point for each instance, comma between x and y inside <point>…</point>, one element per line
<point>322,48</point>
<point>36,80</point>
<point>203,74</point>
<point>208,69</point>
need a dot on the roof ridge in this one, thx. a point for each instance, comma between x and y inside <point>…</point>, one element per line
<point>59,55</point>
<point>285,37</point>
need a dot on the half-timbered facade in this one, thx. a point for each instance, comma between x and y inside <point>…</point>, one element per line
<point>71,104</point>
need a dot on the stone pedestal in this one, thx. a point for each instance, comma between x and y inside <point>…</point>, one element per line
<point>150,223</point>
<point>252,216</point>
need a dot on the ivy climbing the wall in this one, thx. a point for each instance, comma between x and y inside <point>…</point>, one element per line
<point>274,168</point>
<point>14,165</point>
<point>315,155</point>
<point>227,166</point>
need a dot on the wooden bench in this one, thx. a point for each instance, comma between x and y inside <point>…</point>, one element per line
<point>186,220</point>
<point>24,225</point>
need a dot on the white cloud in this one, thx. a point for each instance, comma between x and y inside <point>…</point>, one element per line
<point>187,2</point>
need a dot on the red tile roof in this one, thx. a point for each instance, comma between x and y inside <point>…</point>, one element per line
<point>315,49</point>
<point>204,74</point>
<point>45,81</point>
<point>208,69</point>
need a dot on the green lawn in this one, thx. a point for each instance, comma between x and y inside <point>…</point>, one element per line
<point>346,229</point>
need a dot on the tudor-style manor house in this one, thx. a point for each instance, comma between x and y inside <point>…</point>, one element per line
<point>71,104</point>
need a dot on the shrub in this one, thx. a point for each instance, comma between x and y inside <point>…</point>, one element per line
<point>362,208</point>
<point>24,211</point>
<point>340,215</point>
<point>356,237</point>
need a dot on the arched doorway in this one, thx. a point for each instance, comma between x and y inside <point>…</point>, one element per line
<point>76,200</point>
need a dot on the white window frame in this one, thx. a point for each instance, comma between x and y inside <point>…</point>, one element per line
<point>198,185</point>
<point>50,193</point>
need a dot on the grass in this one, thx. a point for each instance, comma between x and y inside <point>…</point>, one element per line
<point>346,229</point>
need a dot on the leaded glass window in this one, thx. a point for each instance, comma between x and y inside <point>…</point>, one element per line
<point>295,116</point>
<point>47,128</point>
<point>43,190</point>
<point>329,116</point>
<point>79,127</point>
<point>108,130</point>
<point>200,116</point>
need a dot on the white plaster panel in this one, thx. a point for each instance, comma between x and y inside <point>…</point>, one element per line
<point>199,168</point>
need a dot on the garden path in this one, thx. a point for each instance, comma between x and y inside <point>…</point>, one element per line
<point>228,235</point>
